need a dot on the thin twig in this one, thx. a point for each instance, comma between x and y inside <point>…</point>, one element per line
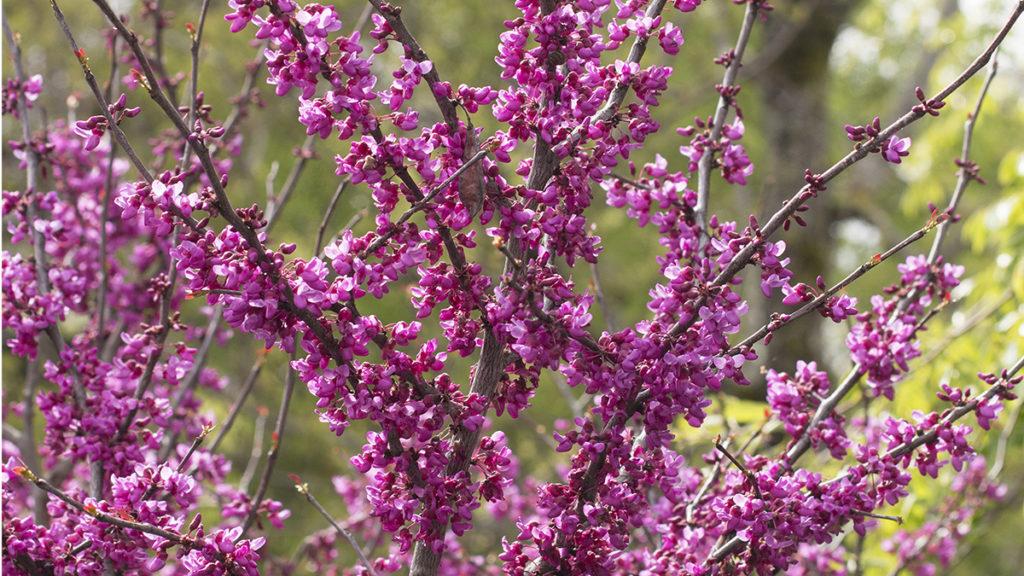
<point>197,39</point>
<point>973,322</point>
<point>275,448</point>
<point>602,302</point>
<point>244,97</point>
<point>29,451</point>
<point>196,443</point>
<point>108,193</point>
<point>716,472</point>
<point>422,204</point>
<point>303,489</point>
<point>999,461</point>
<point>158,346</point>
<point>158,52</point>
<point>184,541</point>
<point>259,428</point>
<point>721,112</point>
<point>964,175</point>
<point>236,407</point>
<point>192,378</point>
<point>822,298</point>
<point>739,465</point>
<point>412,47</point>
<point>896,519</point>
<point>276,203</point>
<point>331,206</point>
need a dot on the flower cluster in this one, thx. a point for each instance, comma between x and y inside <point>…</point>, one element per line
<point>883,340</point>
<point>937,541</point>
<point>795,399</point>
<point>122,405</point>
<point>95,127</point>
<point>14,88</point>
<point>893,149</point>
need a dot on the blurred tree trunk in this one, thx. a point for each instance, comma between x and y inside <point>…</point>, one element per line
<point>793,78</point>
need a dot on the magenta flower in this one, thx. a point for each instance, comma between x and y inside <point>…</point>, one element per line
<point>895,149</point>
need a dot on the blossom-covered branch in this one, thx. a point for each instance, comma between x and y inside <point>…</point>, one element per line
<point>430,327</point>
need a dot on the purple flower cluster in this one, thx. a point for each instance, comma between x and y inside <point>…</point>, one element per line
<point>933,546</point>
<point>122,395</point>
<point>883,340</point>
<point>95,127</point>
<point>13,89</point>
<point>795,399</point>
<point>893,149</point>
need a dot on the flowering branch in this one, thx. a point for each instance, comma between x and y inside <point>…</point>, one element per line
<point>739,465</point>
<point>825,298</point>
<point>829,404</point>
<point>573,110</point>
<point>818,181</point>
<point>727,92</point>
<point>968,170</point>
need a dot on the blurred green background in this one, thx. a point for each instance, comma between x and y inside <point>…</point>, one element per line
<point>813,66</point>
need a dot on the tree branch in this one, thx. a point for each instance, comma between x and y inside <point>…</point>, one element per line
<point>721,112</point>
<point>303,489</point>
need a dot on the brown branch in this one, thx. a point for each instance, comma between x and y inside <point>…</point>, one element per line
<point>275,448</point>
<point>602,302</point>
<point>802,196</point>
<point>158,51</point>
<point>276,203</point>
<point>303,488</point>
<point>108,193</point>
<point>331,206</point>
<point>197,39</point>
<point>236,407</point>
<point>422,204</point>
<point>964,175</point>
<point>244,97</point>
<point>821,299</point>
<point>973,322</point>
<point>721,112</point>
<point>751,478</point>
<point>256,453</point>
<point>392,14</point>
<point>185,541</point>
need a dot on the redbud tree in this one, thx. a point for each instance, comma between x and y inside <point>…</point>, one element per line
<point>130,262</point>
